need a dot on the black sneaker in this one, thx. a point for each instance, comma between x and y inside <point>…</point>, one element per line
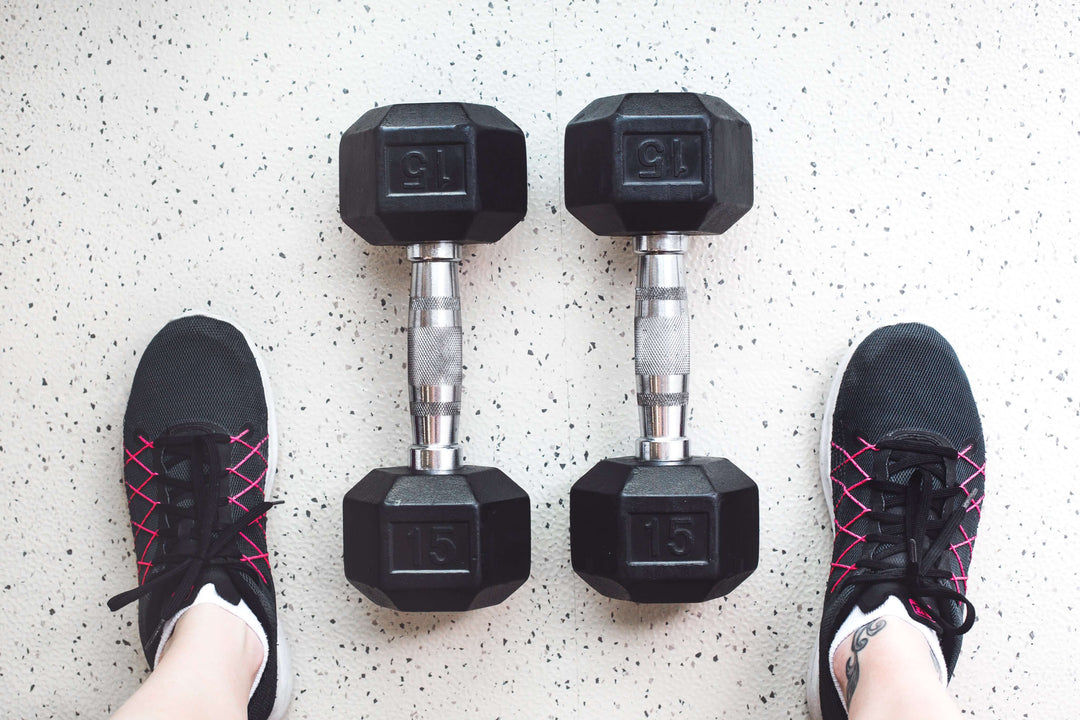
<point>200,450</point>
<point>903,461</point>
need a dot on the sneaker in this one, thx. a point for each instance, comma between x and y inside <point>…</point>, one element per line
<point>903,461</point>
<point>200,451</point>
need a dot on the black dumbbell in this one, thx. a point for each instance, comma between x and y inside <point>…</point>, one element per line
<point>435,535</point>
<point>662,526</point>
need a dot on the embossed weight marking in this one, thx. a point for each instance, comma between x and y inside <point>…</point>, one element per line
<point>435,534</point>
<point>662,158</point>
<point>668,537</point>
<point>429,546</point>
<point>661,526</point>
<point>426,169</point>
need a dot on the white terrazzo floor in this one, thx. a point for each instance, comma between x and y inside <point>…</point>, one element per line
<point>168,155</point>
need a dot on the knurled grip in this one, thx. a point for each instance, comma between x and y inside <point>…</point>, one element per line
<point>667,399</point>
<point>435,355</point>
<point>435,303</point>
<point>662,344</point>
<point>660,293</point>
<point>422,408</point>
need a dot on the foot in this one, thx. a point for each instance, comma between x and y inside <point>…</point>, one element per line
<point>199,459</point>
<point>903,465</point>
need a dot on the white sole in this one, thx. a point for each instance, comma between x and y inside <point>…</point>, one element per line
<point>283,693</point>
<point>813,690</point>
<point>813,693</point>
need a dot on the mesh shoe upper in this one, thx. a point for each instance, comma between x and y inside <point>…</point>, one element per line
<point>197,459</point>
<point>907,473</point>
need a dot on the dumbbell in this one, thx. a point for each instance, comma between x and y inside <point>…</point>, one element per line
<point>662,526</point>
<point>434,535</point>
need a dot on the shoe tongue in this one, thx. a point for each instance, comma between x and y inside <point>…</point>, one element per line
<point>221,581</point>
<point>903,477</point>
<point>178,464</point>
<point>874,595</point>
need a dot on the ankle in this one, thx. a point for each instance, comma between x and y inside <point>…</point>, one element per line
<point>211,639</point>
<point>867,661</point>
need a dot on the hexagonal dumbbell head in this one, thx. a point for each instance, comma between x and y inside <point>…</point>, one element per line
<point>432,172</point>
<point>647,163</point>
<point>453,542</point>
<point>664,533</point>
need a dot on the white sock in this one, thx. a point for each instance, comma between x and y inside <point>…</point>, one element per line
<point>208,594</point>
<point>892,607</point>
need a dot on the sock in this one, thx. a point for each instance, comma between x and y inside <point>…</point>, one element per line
<point>892,607</point>
<point>208,594</point>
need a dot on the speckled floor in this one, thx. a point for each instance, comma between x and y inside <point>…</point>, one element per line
<point>183,155</point>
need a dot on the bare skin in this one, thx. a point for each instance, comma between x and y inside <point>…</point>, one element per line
<point>886,672</point>
<point>206,670</point>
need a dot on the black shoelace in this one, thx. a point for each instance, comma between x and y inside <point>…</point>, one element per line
<point>923,530</point>
<point>194,537</point>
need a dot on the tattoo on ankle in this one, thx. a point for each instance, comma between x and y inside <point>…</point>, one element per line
<point>859,641</point>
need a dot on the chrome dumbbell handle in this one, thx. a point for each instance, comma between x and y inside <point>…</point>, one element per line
<point>662,347</point>
<point>435,357</point>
